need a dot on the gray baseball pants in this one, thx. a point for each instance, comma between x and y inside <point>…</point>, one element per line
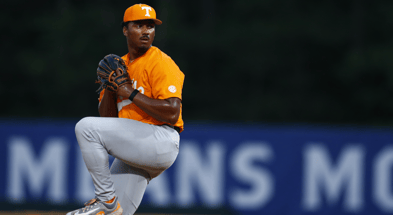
<point>142,152</point>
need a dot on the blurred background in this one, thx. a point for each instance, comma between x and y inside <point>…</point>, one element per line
<point>287,103</point>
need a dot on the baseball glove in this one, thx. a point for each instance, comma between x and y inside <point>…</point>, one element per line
<point>112,73</point>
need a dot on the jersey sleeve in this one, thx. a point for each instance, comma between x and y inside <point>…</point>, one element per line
<point>166,80</point>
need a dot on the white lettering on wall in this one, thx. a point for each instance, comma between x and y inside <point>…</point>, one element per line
<point>260,180</point>
<point>199,171</point>
<point>322,177</point>
<point>382,183</point>
<point>47,169</point>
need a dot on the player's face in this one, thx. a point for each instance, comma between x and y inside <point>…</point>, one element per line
<point>140,34</point>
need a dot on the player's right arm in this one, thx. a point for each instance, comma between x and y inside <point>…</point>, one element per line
<point>108,105</point>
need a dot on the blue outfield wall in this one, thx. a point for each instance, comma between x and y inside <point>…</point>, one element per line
<point>258,169</point>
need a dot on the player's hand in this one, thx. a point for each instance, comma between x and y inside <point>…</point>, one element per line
<point>125,90</point>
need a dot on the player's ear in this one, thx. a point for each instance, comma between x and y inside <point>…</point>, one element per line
<point>125,32</point>
<point>125,28</point>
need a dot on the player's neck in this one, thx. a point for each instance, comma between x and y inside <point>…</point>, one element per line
<point>136,52</point>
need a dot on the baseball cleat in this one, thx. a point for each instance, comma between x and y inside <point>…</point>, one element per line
<point>96,207</point>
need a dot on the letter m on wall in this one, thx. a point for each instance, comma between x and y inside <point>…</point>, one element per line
<point>37,170</point>
<point>324,177</point>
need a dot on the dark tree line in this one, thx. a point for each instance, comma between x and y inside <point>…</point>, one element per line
<point>263,61</point>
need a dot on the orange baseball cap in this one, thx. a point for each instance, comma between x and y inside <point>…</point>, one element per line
<point>140,12</point>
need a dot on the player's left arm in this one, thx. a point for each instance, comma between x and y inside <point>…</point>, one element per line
<point>165,110</point>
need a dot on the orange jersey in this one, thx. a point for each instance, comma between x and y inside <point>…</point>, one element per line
<point>155,75</point>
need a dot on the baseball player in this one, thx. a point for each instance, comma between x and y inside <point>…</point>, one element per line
<point>139,125</point>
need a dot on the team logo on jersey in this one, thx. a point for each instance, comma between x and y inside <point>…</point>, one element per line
<point>147,10</point>
<point>172,89</point>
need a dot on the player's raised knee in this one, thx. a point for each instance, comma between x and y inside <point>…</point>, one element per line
<point>83,124</point>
